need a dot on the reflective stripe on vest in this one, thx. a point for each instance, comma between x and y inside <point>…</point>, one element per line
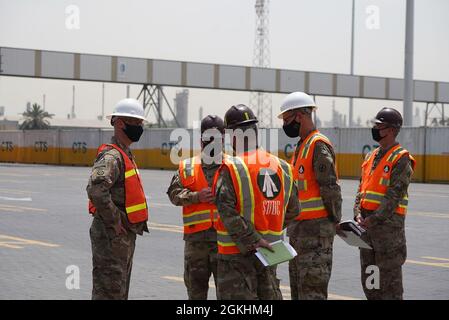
<point>376,197</point>
<point>287,180</point>
<point>188,167</point>
<point>246,189</point>
<point>135,201</point>
<point>246,201</point>
<point>131,173</point>
<point>312,206</point>
<point>224,239</point>
<point>302,185</point>
<point>199,216</point>
<point>375,182</point>
<point>137,207</point>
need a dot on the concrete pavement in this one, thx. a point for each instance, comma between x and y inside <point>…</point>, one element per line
<point>44,230</point>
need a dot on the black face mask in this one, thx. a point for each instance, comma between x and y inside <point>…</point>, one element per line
<point>211,145</point>
<point>292,129</point>
<point>133,132</point>
<point>376,134</point>
<point>211,153</point>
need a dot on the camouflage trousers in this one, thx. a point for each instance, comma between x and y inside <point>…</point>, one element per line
<point>389,254</point>
<point>245,278</point>
<point>200,262</point>
<point>112,258</point>
<point>310,270</point>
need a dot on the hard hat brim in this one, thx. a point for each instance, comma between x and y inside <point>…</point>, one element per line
<point>377,121</point>
<point>242,124</point>
<point>127,115</point>
<point>295,108</point>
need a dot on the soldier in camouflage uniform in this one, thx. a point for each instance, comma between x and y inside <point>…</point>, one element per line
<point>384,218</point>
<point>312,233</point>
<point>241,276</point>
<point>200,251</point>
<point>112,234</point>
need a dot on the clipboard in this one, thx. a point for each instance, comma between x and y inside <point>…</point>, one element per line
<point>353,233</point>
<point>283,252</point>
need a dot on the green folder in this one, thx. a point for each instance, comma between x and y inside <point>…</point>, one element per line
<point>283,252</point>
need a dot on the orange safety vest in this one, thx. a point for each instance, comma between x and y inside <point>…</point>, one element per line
<point>263,184</point>
<point>199,216</point>
<point>375,182</point>
<point>135,201</point>
<point>312,206</point>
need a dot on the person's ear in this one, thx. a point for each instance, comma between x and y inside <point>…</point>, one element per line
<point>392,131</point>
<point>395,132</point>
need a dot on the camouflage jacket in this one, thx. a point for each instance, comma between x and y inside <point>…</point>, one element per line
<point>401,174</point>
<point>181,196</point>
<point>326,176</point>
<point>106,188</point>
<point>242,231</point>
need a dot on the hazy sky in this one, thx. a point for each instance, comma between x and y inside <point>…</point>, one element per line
<point>311,35</point>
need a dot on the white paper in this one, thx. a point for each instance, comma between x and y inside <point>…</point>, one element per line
<point>261,258</point>
<point>286,244</point>
<point>353,240</point>
<point>291,249</point>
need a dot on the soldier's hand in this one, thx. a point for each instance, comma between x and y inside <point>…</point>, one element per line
<point>367,222</point>
<point>339,231</point>
<point>119,229</point>
<point>206,196</point>
<point>361,221</point>
<point>262,243</point>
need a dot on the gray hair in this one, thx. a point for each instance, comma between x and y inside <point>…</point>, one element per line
<point>307,110</point>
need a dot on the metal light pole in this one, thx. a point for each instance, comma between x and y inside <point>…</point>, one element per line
<point>408,64</point>
<point>261,101</point>
<point>102,101</point>
<point>351,103</point>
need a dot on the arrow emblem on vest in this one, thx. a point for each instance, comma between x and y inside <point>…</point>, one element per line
<point>269,187</point>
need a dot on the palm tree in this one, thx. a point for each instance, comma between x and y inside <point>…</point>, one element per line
<point>35,118</point>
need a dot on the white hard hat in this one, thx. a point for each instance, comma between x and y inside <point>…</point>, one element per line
<point>296,100</point>
<point>128,108</point>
